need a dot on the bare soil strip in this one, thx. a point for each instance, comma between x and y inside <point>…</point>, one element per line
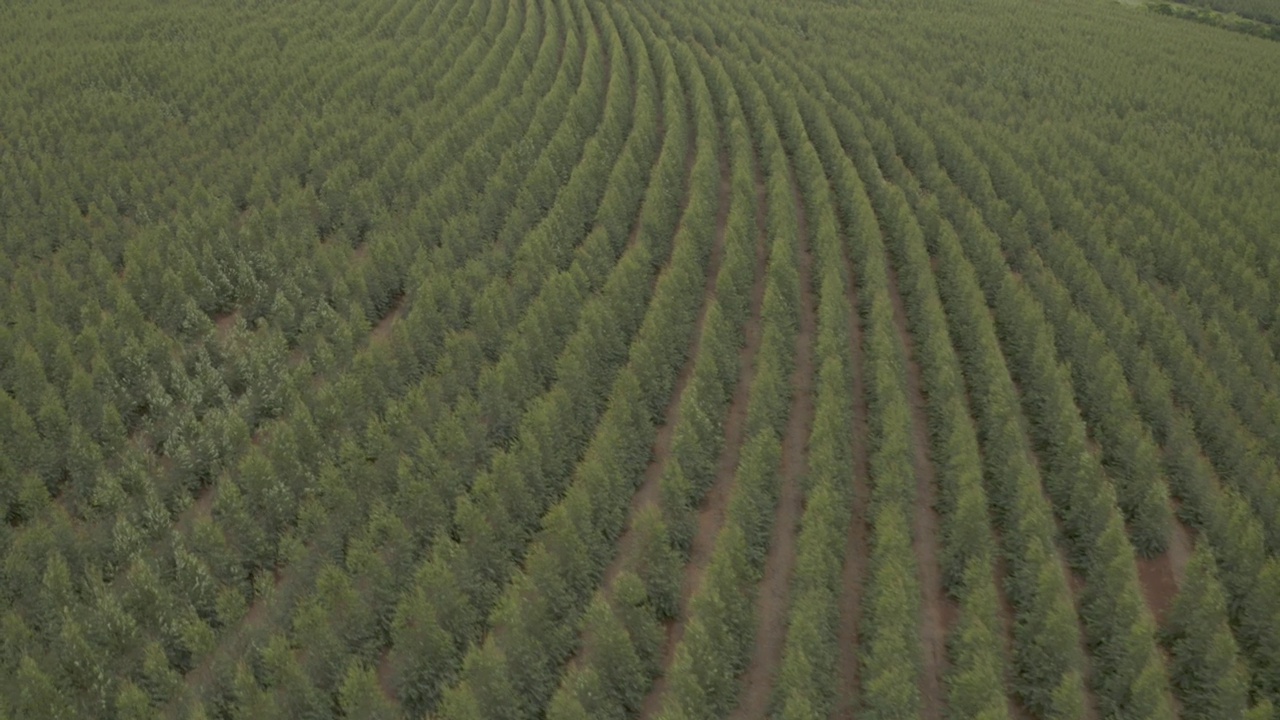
<point>1161,576</point>
<point>225,322</point>
<point>382,330</point>
<point>1181,545</point>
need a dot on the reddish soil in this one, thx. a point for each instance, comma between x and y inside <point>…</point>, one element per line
<point>1077,591</point>
<point>1161,576</point>
<point>382,330</point>
<point>648,492</point>
<point>1181,545</point>
<point>937,611</point>
<point>201,508</point>
<point>225,322</point>
<point>716,502</point>
<point>258,609</point>
<point>856,546</point>
<point>1158,584</point>
<point>384,675</point>
<point>774,596</point>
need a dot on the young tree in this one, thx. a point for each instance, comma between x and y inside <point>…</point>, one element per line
<point>486,694</point>
<point>132,703</point>
<point>422,651</point>
<point>637,612</point>
<point>975,686</point>
<point>361,697</point>
<point>1206,671</point>
<point>699,677</point>
<point>584,696</point>
<point>1260,629</point>
<point>656,562</point>
<point>37,696</point>
<point>614,657</point>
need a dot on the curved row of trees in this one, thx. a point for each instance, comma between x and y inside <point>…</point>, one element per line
<point>402,359</point>
<point>720,624</point>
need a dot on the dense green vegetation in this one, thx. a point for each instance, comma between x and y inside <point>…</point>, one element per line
<point>1260,24</point>
<point>1265,11</point>
<point>666,359</point>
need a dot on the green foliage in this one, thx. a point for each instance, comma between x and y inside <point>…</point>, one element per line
<point>360,697</point>
<point>380,358</point>
<point>1257,19</point>
<point>1206,672</point>
<point>1259,633</point>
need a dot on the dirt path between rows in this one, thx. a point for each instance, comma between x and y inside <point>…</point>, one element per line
<point>774,594</point>
<point>856,547</point>
<point>650,485</point>
<point>1075,582</point>
<point>937,611</point>
<point>381,330</point>
<point>1161,576</point>
<point>715,504</point>
<point>1000,570</point>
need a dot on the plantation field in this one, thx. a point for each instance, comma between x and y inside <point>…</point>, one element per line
<point>1266,11</point>
<point>661,359</point>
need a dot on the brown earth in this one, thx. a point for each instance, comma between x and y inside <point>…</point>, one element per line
<point>225,322</point>
<point>1162,575</point>
<point>1181,545</point>
<point>384,673</point>
<point>1158,584</point>
<point>382,329</point>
